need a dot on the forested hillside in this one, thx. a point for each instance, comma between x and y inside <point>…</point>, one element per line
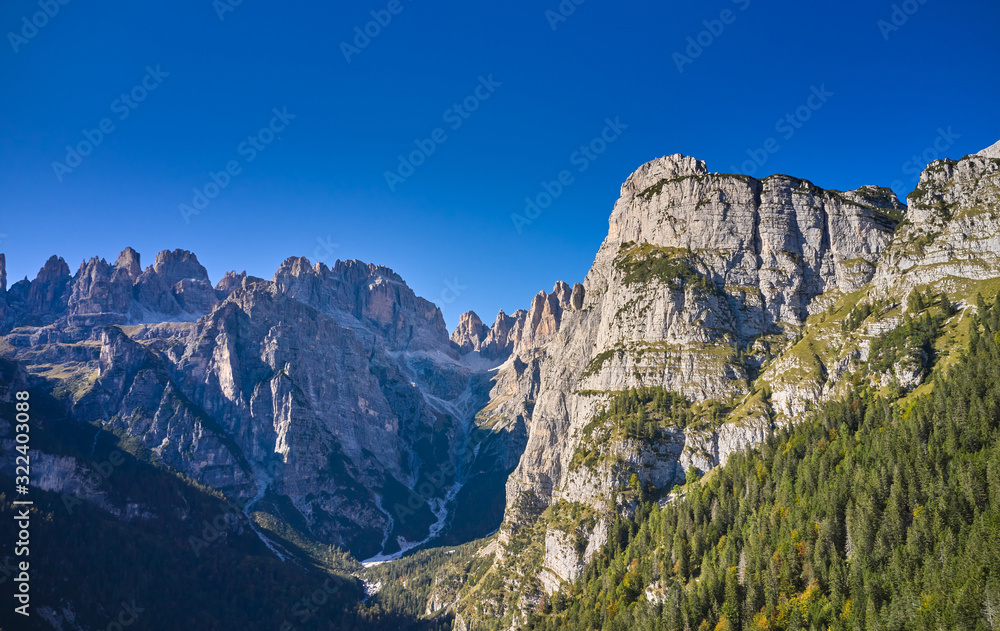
<point>875,513</point>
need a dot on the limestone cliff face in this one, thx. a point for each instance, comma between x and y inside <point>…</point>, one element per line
<point>470,332</point>
<point>765,296</point>
<point>952,228</point>
<point>233,281</point>
<point>701,279</point>
<point>697,268</point>
<point>991,152</point>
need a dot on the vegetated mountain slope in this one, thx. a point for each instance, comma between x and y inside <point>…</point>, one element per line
<point>873,513</point>
<point>753,300</point>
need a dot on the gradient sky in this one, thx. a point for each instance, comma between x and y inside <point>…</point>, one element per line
<point>447,229</point>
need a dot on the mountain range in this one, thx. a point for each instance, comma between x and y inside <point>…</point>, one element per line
<point>333,412</point>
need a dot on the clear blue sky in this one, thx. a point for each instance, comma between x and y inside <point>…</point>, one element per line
<point>322,178</point>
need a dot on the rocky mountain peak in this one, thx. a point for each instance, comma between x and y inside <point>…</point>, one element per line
<point>355,271</point>
<point>179,264</point>
<point>233,281</point>
<point>3,273</point>
<point>665,168</point>
<point>48,292</point>
<point>364,295</point>
<point>991,152</point>
<point>470,332</point>
<point>176,285</point>
<point>128,263</point>
<point>294,266</point>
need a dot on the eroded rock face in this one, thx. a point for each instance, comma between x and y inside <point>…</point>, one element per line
<point>335,388</point>
<point>991,152</point>
<point>699,275</point>
<point>99,288</point>
<point>953,227</point>
<point>696,266</point>
<point>368,297</point>
<point>176,286</point>
<point>233,281</point>
<point>470,332</point>
<point>48,294</point>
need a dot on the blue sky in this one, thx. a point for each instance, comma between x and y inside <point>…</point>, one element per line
<point>533,86</point>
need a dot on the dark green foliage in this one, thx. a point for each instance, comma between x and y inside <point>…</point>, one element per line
<point>406,584</point>
<point>598,362</point>
<point>914,339</point>
<point>868,515</point>
<point>644,412</point>
<point>178,550</point>
<point>677,269</point>
<point>858,315</point>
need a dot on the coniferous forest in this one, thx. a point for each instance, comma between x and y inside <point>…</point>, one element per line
<point>871,514</point>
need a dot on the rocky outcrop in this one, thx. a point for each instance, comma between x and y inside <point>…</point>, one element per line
<point>470,332</point>
<point>101,289</point>
<point>701,277</point>
<point>176,286</point>
<point>952,228</point>
<point>49,292</point>
<point>366,297</point>
<point>233,281</point>
<point>991,152</point>
<point>696,267</point>
<point>529,329</point>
